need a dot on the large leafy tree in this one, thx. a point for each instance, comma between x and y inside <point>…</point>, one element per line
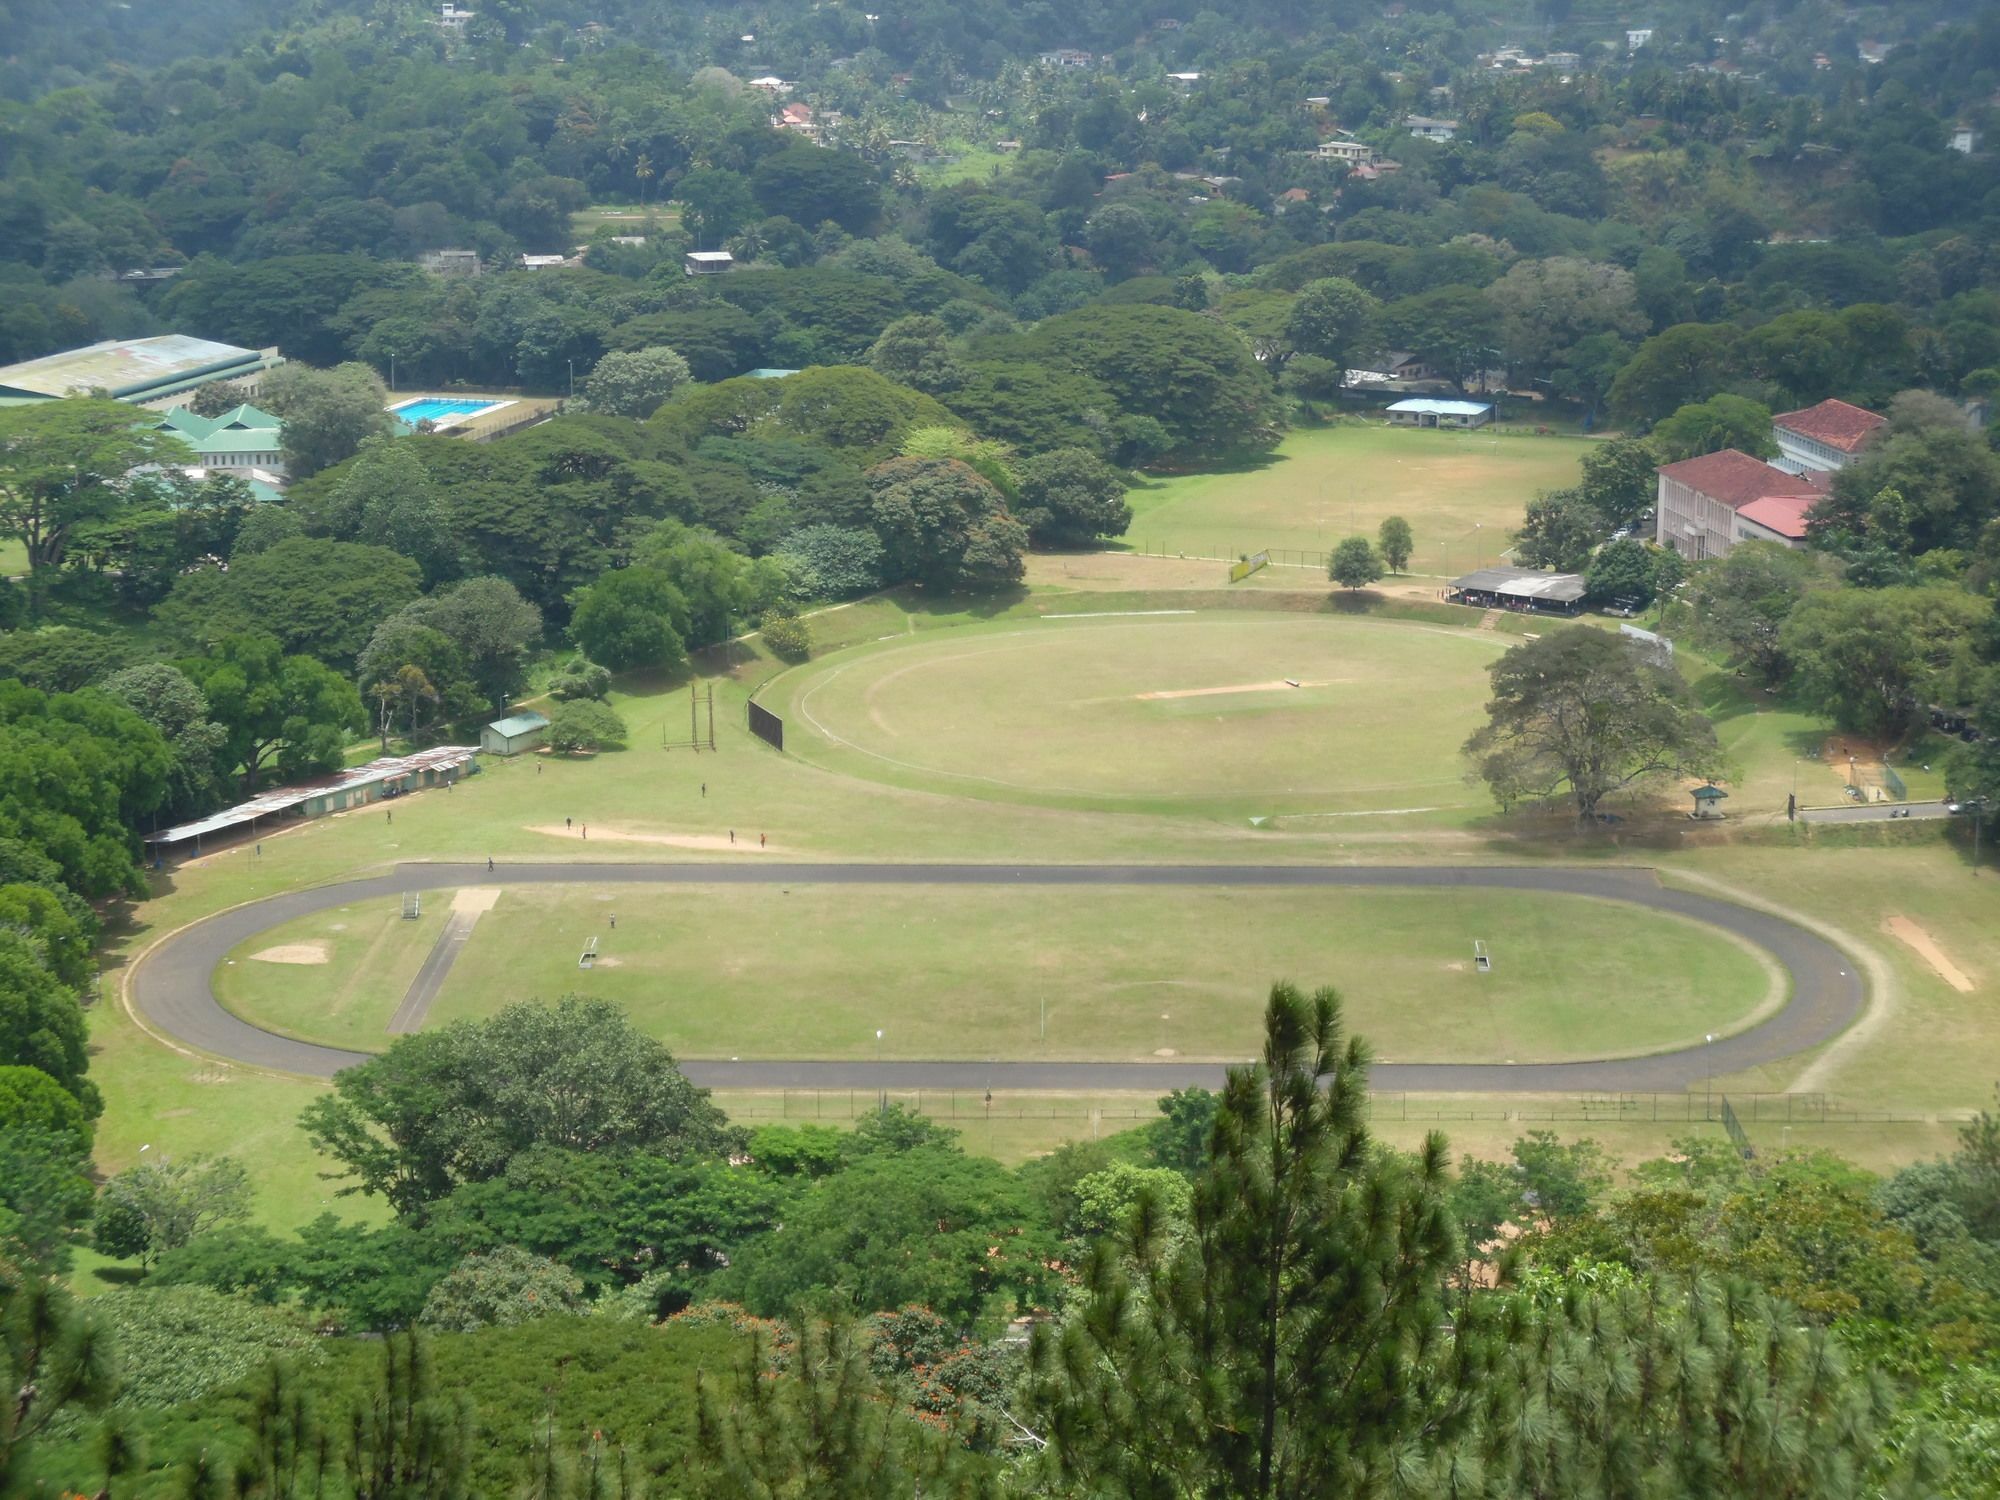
<point>944,525</point>
<point>167,698</point>
<point>635,384</point>
<point>1548,307</point>
<point>1334,319</point>
<point>287,714</point>
<point>317,598</point>
<point>327,414</point>
<point>1279,1346</point>
<point>1619,478</point>
<point>1071,498</point>
<point>63,464</point>
<point>1582,713</point>
<point>491,626</point>
<point>1559,530</point>
<point>916,352</point>
<point>1871,659</point>
<point>1722,421</point>
<point>1453,329</point>
<point>385,496</point>
<point>1737,605</point>
<point>453,1106</point>
<point>632,617</point>
<point>1688,362</point>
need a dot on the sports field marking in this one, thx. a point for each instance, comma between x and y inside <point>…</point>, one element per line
<point>1121,614</point>
<point>1376,812</point>
<point>293,953</point>
<point>745,843</point>
<point>1925,947</point>
<point>1283,684</point>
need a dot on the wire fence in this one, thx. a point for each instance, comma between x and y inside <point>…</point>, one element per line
<point>1691,1108</point>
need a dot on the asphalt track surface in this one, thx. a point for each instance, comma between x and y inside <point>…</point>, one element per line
<point>170,988</point>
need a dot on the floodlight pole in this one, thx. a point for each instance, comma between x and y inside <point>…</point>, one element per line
<point>1708,1068</point>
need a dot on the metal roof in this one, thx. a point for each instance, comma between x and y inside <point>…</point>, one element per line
<point>125,367</point>
<point>519,724</point>
<point>1427,406</point>
<point>1522,583</point>
<point>281,799</point>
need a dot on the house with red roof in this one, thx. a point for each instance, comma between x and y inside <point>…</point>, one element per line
<point>1825,437</point>
<point>1707,505</point>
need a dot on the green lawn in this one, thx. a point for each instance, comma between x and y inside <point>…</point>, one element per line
<point>1100,968</point>
<point>1323,484</point>
<point>620,218</point>
<point>13,557</point>
<point>1191,713</point>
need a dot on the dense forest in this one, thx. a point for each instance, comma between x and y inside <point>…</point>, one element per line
<point>994,264</point>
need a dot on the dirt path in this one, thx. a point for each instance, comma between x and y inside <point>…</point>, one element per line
<point>313,952</point>
<point>1925,947</point>
<point>1283,684</point>
<point>714,843</point>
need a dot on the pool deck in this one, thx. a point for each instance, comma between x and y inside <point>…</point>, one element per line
<point>496,416</point>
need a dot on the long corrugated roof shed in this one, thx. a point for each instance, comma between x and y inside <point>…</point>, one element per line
<point>1522,583</point>
<point>282,799</point>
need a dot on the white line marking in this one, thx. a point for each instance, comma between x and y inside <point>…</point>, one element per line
<point>1120,614</point>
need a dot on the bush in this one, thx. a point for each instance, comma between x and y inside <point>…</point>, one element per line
<point>585,724</point>
<point>836,562</point>
<point>175,1343</point>
<point>502,1289</point>
<point>788,636</point>
<point>580,678</point>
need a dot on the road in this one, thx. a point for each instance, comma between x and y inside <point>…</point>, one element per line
<point>170,987</point>
<point>1873,812</point>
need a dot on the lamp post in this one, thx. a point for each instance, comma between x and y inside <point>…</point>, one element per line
<point>572,378</point>
<point>1708,1068</point>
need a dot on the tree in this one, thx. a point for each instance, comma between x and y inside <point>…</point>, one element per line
<point>1738,603</point>
<point>1279,1346</point>
<point>455,1105</point>
<point>1871,659</point>
<point>318,598</point>
<point>1563,1182</point>
<point>1688,362</point>
<point>1621,572</point>
<point>916,351</point>
<point>41,1024</point>
<point>1334,319</point>
<point>1548,307</point>
<point>284,713</point>
<point>1179,1138</point>
<point>1354,563</point>
<point>1069,497</point>
<point>385,496</point>
<point>1583,712</point>
<point>45,1189</point>
<point>631,617</point>
<point>54,1359</point>
<point>789,637</point>
<point>64,463</point>
<point>585,724</point>
<point>501,1288</point>
<point>1395,542</point>
<point>1722,421</point>
<point>944,525</point>
<point>60,658</point>
<point>492,627</point>
<point>1619,479</point>
<point>1559,530</point>
<point>159,1206</point>
<point>218,397</point>
<point>810,185</point>
<point>327,414</point>
<point>410,667</point>
<point>635,384</point>
<point>1453,329</point>
<point>580,678</point>
<point>167,698</point>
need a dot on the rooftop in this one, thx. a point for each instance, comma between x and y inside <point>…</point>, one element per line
<point>1838,424</point>
<point>122,366</point>
<point>519,724</point>
<point>1522,583</point>
<point>283,799</point>
<point>1784,514</point>
<point>1735,478</point>
<point>1428,406</point>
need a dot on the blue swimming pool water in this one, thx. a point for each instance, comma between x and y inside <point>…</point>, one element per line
<point>432,409</point>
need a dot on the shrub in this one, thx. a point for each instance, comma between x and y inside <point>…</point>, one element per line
<point>788,636</point>
<point>504,1288</point>
<point>585,724</point>
<point>580,678</point>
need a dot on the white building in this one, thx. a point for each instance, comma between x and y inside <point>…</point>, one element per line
<point>708,262</point>
<point>1424,128</point>
<point>1353,153</point>
<point>1964,139</point>
<point>1637,37</point>
<point>1423,411</point>
<point>452,19</point>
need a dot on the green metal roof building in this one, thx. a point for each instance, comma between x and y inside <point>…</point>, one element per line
<point>239,440</point>
<point>142,371</point>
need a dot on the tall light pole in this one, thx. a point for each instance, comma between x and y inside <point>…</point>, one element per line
<point>572,378</point>
<point>1708,1068</point>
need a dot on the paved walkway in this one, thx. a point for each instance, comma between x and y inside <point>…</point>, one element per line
<point>170,988</point>
<point>1873,812</point>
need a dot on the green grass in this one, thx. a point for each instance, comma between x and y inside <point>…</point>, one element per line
<point>620,218</point>
<point>1323,484</point>
<point>366,953</point>
<point>1124,973</point>
<point>1187,713</point>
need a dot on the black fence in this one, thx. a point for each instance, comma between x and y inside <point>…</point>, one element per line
<point>767,726</point>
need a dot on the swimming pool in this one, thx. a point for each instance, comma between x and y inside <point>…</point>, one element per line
<point>440,412</point>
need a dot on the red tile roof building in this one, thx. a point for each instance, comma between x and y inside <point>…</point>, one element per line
<point>1707,505</point>
<point>1827,436</point>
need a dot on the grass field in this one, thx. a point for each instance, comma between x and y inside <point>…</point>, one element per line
<point>1324,484</point>
<point>1186,713</point>
<point>1898,1083</point>
<point>1125,974</point>
<point>620,218</point>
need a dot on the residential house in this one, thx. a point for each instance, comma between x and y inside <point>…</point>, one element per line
<point>451,19</point>
<point>1637,37</point>
<point>1184,81</point>
<point>1707,505</point>
<point>451,262</point>
<point>1872,53</point>
<point>1352,153</point>
<point>776,87</point>
<point>708,262</point>
<point>1964,139</point>
<point>1424,128</point>
<point>1067,57</point>
<point>1825,437</point>
<point>1424,411</point>
<point>545,262</point>
<point>1564,62</point>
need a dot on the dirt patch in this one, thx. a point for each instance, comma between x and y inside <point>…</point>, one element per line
<point>710,842</point>
<point>1925,947</point>
<point>1281,686</point>
<point>609,963</point>
<point>474,900</point>
<point>314,952</point>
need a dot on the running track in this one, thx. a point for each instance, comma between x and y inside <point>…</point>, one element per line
<point>170,987</point>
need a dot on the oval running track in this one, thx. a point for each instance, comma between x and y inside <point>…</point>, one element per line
<point>171,990</point>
